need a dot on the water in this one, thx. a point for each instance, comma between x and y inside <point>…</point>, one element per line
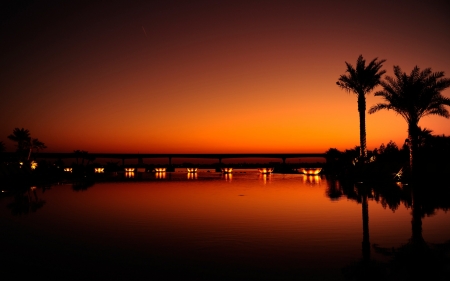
<point>208,225</point>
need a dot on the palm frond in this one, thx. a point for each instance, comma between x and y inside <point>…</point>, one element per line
<point>379,107</point>
<point>415,95</point>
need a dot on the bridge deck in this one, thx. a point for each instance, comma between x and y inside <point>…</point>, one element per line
<point>174,155</point>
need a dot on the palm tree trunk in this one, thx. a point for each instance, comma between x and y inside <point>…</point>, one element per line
<point>362,126</point>
<point>413,138</point>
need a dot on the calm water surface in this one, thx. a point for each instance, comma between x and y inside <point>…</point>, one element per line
<point>203,226</point>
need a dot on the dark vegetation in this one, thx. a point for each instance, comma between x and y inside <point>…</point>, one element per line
<point>390,163</point>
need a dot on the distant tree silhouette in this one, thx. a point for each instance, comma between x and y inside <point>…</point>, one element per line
<point>84,156</point>
<point>89,158</point>
<point>361,80</point>
<point>77,154</point>
<point>425,136</point>
<point>413,97</point>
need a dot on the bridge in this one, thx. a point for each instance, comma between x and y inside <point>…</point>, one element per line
<point>170,156</point>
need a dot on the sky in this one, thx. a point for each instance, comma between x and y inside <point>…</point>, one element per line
<point>208,76</point>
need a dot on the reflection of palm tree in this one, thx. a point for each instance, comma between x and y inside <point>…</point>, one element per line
<point>416,222</point>
<point>334,192</point>
<point>413,97</point>
<point>24,203</point>
<point>361,80</point>
<point>365,218</point>
<point>416,257</point>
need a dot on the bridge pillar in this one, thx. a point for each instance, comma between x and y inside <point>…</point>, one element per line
<point>170,168</point>
<point>219,166</point>
<point>140,161</point>
<point>284,160</point>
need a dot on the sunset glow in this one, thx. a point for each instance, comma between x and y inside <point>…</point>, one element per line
<point>206,77</point>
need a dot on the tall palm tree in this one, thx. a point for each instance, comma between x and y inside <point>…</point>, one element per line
<point>22,139</point>
<point>413,97</point>
<point>361,80</point>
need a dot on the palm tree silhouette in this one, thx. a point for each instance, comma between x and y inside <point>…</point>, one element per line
<point>361,80</point>
<point>35,144</point>
<point>413,97</point>
<point>22,138</point>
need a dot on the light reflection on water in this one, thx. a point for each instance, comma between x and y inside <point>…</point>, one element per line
<point>273,223</point>
<point>192,176</point>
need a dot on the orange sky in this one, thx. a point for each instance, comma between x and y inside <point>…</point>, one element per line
<point>175,77</point>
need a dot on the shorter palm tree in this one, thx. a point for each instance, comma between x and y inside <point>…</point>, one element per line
<point>35,144</point>
<point>413,97</point>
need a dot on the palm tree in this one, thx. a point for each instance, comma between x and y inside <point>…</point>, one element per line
<point>413,97</point>
<point>22,138</point>
<point>361,80</point>
<point>35,144</point>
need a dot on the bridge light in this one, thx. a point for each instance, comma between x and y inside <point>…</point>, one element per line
<point>265,170</point>
<point>227,170</point>
<point>310,171</point>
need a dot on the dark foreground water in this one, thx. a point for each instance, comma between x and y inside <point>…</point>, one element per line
<point>210,226</point>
